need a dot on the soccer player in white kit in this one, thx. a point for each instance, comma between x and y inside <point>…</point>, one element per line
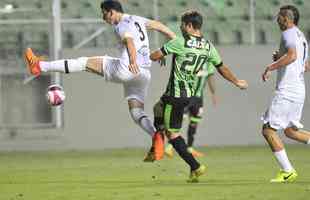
<point>285,110</point>
<point>132,69</point>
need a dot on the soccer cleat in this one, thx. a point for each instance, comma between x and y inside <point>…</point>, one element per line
<point>157,150</point>
<point>194,152</point>
<point>150,156</point>
<point>159,145</point>
<point>285,177</point>
<point>169,151</point>
<point>193,177</point>
<point>32,62</point>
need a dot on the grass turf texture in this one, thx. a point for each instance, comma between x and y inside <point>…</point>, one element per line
<point>233,173</point>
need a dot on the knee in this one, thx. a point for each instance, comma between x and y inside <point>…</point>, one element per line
<point>289,132</point>
<point>194,122</point>
<point>265,131</point>
<point>137,114</point>
<point>195,118</point>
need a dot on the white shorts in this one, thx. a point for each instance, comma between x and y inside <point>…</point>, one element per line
<point>135,85</point>
<point>283,113</point>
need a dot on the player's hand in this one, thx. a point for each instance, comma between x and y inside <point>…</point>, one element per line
<point>275,55</point>
<point>266,75</point>
<point>242,84</point>
<point>133,68</point>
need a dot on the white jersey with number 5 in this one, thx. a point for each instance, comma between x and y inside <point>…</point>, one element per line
<point>290,79</point>
<point>134,27</point>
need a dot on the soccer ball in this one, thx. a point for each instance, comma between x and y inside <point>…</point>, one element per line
<point>55,95</point>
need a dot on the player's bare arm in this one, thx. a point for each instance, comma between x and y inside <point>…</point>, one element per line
<point>157,55</point>
<point>283,61</point>
<point>158,26</point>
<point>211,85</point>
<point>133,67</point>
<point>307,66</point>
<point>228,75</point>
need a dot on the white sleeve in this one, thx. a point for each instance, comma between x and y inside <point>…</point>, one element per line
<point>124,30</point>
<point>143,20</point>
<point>289,39</point>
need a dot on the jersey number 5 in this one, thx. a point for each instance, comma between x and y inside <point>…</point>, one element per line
<point>142,36</point>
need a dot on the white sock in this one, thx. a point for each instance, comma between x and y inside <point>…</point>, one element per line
<point>65,66</point>
<point>308,142</point>
<point>283,160</point>
<point>147,125</point>
<point>141,118</point>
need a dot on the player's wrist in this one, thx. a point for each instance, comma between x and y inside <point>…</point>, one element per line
<point>269,68</point>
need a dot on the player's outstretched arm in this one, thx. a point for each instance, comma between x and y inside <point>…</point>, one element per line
<point>158,26</point>
<point>228,75</point>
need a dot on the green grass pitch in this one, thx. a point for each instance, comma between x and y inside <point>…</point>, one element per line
<point>234,173</point>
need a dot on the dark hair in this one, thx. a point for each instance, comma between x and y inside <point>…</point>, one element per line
<point>294,10</point>
<point>111,5</point>
<point>193,17</point>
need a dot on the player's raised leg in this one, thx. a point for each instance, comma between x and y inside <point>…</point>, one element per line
<point>36,65</point>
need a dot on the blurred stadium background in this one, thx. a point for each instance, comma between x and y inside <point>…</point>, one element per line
<point>94,115</point>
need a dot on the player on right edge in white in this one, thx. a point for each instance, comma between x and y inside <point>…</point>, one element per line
<point>285,110</point>
<point>132,69</point>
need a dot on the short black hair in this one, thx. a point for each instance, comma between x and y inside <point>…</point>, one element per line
<point>294,10</point>
<point>193,17</point>
<point>111,5</point>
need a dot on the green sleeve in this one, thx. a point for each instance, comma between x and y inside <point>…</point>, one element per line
<point>174,46</point>
<point>215,58</point>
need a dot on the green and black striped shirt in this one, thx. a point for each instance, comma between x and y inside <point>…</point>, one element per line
<point>190,56</point>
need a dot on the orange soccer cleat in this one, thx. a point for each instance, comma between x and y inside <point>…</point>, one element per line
<point>32,62</point>
<point>157,150</point>
<point>159,145</point>
<point>194,152</point>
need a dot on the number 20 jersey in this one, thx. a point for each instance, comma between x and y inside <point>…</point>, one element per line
<point>190,55</point>
<point>134,27</point>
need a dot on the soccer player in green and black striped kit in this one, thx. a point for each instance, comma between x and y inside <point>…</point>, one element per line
<point>191,53</point>
<point>195,109</point>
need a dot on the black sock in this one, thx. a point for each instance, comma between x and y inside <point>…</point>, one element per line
<point>180,147</point>
<point>190,134</point>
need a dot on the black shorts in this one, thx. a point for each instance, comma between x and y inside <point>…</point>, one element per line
<point>173,110</point>
<point>195,106</point>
